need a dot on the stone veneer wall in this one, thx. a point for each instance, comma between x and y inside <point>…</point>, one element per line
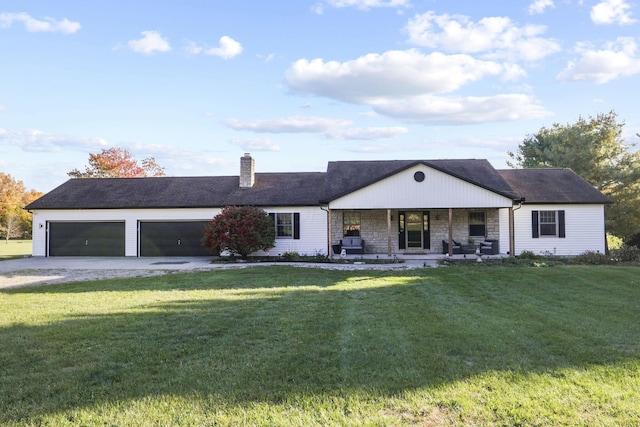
<point>373,228</point>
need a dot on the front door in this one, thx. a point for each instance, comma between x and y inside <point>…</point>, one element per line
<point>413,230</point>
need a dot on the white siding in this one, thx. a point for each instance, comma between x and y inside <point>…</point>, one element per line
<point>313,232</point>
<point>313,225</point>
<point>438,190</point>
<point>503,216</point>
<point>584,225</point>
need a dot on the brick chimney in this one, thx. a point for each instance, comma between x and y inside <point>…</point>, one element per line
<point>247,171</point>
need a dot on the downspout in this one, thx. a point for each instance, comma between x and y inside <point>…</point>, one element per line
<point>329,247</point>
<point>512,237</point>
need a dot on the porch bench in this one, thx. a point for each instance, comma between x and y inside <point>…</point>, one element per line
<point>352,245</point>
<point>490,247</point>
<point>456,248</point>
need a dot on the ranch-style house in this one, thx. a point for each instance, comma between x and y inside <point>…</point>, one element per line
<point>388,208</point>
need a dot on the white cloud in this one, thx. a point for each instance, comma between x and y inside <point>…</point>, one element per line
<point>331,128</point>
<point>539,6</point>
<point>294,124</point>
<point>383,148</point>
<point>360,4</point>
<point>33,140</point>
<point>35,25</point>
<point>367,134</point>
<point>612,12</point>
<point>616,59</point>
<point>2,108</point>
<point>429,109</point>
<point>151,41</point>
<point>409,86</point>
<point>256,144</point>
<point>391,74</point>
<point>494,37</point>
<point>266,58</point>
<point>228,48</point>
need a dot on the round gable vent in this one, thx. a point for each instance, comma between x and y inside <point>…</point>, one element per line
<point>418,176</point>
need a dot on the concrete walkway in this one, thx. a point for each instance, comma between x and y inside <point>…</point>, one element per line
<point>42,271</point>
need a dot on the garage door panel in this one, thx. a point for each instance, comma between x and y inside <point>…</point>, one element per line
<point>178,238</point>
<point>86,239</point>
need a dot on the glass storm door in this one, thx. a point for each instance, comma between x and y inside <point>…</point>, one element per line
<point>414,230</point>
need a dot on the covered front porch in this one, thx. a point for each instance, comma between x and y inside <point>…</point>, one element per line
<point>421,233</point>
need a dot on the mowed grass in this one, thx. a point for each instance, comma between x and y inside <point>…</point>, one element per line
<point>286,346</point>
<point>14,249</point>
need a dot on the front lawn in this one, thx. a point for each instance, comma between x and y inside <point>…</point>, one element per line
<point>296,346</point>
<point>10,249</point>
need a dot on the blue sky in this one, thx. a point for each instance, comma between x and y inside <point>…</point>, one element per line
<point>196,84</point>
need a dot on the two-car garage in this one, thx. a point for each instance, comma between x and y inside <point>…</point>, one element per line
<point>108,238</point>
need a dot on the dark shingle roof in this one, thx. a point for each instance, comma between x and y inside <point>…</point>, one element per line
<point>348,176</point>
<point>270,189</point>
<point>309,188</point>
<point>552,186</point>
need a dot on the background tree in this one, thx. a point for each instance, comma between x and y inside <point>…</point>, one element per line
<point>10,224</point>
<point>14,220</point>
<point>594,149</point>
<point>240,230</point>
<point>118,163</point>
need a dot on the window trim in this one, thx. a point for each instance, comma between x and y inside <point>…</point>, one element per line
<point>295,225</point>
<point>478,224</point>
<point>536,223</point>
<point>357,224</point>
<point>284,221</point>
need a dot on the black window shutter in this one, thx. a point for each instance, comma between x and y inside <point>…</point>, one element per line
<point>401,242</point>
<point>535,230</point>
<point>296,225</point>
<point>561,232</point>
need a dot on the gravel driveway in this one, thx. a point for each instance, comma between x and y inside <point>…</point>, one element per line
<point>44,271</point>
<point>33,271</point>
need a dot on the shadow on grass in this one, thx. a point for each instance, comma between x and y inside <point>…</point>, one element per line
<point>264,343</point>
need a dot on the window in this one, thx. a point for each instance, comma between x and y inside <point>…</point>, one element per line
<point>547,223</point>
<point>284,225</point>
<point>477,224</point>
<point>287,225</point>
<point>351,224</point>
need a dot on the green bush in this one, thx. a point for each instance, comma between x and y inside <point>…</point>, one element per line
<point>291,256</point>
<point>527,255</point>
<point>592,258</point>
<point>627,253</point>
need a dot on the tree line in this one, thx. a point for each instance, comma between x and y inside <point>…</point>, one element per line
<point>15,222</point>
